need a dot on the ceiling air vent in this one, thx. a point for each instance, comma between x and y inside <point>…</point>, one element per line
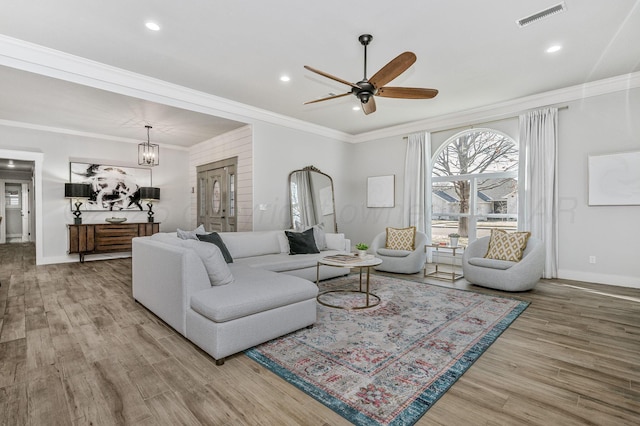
<point>541,15</point>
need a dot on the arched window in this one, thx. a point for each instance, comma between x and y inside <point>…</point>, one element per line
<point>475,185</point>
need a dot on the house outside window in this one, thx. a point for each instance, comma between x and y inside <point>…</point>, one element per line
<point>474,185</point>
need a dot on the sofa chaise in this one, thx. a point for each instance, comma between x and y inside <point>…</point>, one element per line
<point>271,293</point>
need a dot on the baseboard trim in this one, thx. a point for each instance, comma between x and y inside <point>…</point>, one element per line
<point>618,280</point>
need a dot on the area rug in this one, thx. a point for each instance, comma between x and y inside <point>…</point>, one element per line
<point>389,364</point>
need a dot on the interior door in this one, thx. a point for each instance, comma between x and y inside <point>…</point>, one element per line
<point>13,212</point>
<point>216,196</point>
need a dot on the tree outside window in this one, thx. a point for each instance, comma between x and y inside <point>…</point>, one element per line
<point>475,183</point>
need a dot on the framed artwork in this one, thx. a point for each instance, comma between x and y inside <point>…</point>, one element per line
<point>114,188</point>
<point>381,191</point>
<point>614,179</point>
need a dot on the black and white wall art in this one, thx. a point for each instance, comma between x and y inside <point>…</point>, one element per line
<point>114,188</point>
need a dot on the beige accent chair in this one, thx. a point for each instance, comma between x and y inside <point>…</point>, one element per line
<point>503,274</point>
<point>400,261</point>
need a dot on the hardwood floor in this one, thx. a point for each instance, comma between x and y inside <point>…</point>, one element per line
<point>75,349</point>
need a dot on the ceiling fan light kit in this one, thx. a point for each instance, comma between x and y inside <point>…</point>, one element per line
<point>366,89</point>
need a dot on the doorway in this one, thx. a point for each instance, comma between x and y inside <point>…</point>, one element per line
<point>15,222</point>
<point>217,195</point>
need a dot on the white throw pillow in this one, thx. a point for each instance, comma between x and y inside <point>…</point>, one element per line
<point>335,241</point>
<point>283,242</point>
<point>213,260</point>
<point>191,235</point>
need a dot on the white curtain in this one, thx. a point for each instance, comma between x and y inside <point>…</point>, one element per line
<point>538,147</point>
<point>417,182</point>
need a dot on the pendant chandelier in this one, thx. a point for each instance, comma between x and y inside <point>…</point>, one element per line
<point>148,153</point>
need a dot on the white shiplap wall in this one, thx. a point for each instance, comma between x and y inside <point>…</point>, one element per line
<point>235,143</point>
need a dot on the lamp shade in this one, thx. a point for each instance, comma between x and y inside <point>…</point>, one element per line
<point>149,193</point>
<point>77,190</point>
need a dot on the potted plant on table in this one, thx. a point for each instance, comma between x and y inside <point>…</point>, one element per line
<point>362,249</point>
<point>453,239</point>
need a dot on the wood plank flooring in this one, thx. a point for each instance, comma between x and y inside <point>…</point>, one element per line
<point>75,349</point>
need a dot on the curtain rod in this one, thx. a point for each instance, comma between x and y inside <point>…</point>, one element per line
<point>506,117</point>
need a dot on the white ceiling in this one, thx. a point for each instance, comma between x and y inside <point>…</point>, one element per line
<point>471,51</point>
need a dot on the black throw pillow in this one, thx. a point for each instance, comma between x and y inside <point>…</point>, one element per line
<point>216,239</point>
<point>302,242</point>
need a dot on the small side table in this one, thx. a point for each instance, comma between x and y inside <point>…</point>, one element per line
<point>439,274</point>
<point>371,299</point>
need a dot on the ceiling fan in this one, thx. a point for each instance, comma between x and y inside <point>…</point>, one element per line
<point>366,89</point>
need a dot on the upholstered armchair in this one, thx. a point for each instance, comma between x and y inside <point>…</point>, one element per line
<point>502,274</point>
<point>400,261</point>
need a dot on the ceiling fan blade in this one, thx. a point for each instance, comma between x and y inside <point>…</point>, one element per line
<point>332,77</point>
<point>393,69</point>
<point>406,92</point>
<point>370,106</point>
<point>327,98</point>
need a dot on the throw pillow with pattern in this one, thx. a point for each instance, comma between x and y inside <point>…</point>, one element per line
<point>507,245</point>
<point>401,238</point>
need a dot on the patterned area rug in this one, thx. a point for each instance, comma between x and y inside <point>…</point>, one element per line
<point>389,364</point>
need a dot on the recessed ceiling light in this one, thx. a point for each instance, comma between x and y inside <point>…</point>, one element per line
<point>285,78</point>
<point>152,26</point>
<point>554,48</point>
<point>356,108</point>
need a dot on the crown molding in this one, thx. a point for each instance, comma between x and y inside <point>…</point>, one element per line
<point>507,109</point>
<point>38,59</point>
<point>42,60</point>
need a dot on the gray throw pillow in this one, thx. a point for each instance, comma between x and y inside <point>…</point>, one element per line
<point>191,235</point>
<point>216,239</point>
<point>302,242</point>
<point>214,263</point>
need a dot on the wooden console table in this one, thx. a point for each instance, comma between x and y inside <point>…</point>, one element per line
<point>107,238</point>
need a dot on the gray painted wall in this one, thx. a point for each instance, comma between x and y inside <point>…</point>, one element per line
<point>59,149</point>
<point>597,125</point>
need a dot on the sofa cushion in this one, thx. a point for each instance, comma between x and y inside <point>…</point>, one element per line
<point>215,238</point>
<point>191,235</point>
<point>393,253</point>
<point>283,262</point>
<point>302,242</point>
<point>401,238</point>
<point>254,290</point>
<point>251,243</point>
<point>217,269</point>
<point>483,262</point>
<point>507,245</point>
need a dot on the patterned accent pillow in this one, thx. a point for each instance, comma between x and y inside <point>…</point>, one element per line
<point>507,245</point>
<point>401,238</point>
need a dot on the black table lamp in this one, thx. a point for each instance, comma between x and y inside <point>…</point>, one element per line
<point>77,191</point>
<point>149,194</point>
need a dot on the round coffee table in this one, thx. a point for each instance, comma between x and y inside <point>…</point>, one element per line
<point>366,263</point>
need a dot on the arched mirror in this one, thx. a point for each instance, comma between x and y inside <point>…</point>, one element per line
<point>312,200</point>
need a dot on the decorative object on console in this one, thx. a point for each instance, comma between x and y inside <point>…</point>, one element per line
<point>77,191</point>
<point>148,153</point>
<point>112,187</point>
<point>116,219</point>
<point>453,239</point>
<point>149,194</point>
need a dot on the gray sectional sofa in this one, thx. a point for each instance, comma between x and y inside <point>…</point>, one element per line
<point>265,293</point>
